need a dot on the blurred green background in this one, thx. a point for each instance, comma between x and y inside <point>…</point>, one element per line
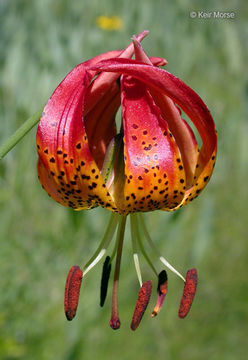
<point>40,41</point>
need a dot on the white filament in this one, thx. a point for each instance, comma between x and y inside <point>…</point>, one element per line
<point>137,268</point>
<point>169,266</point>
<point>95,261</point>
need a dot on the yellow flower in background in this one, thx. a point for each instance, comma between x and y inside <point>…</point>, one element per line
<point>109,23</point>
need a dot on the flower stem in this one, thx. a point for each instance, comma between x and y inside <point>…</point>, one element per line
<point>20,133</point>
<point>115,321</point>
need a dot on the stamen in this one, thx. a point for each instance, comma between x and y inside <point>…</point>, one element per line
<point>100,251</point>
<point>162,291</point>
<point>161,258</point>
<point>135,255</point>
<point>72,291</point>
<point>105,279</point>
<point>137,234</point>
<point>96,260</point>
<point>141,304</point>
<point>169,266</point>
<point>115,321</point>
<point>137,268</point>
<point>188,293</point>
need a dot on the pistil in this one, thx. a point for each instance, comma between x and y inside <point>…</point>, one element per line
<point>115,321</point>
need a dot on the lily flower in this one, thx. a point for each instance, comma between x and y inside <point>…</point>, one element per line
<point>151,161</point>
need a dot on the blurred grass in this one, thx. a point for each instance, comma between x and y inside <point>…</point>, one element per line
<point>40,42</point>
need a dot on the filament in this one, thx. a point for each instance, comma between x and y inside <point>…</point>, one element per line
<point>135,254</point>
<point>137,267</point>
<point>144,253</point>
<point>100,251</point>
<point>161,258</point>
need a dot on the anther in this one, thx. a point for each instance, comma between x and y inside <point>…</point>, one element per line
<point>162,291</point>
<point>105,279</point>
<point>188,293</point>
<point>141,304</point>
<point>72,291</point>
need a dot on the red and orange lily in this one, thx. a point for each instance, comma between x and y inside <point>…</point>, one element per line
<point>152,161</point>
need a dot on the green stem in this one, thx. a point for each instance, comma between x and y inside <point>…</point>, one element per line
<point>20,133</point>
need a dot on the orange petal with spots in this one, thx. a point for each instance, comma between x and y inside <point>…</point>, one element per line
<point>172,114</point>
<point>151,155</point>
<point>165,83</point>
<point>63,149</point>
<point>48,183</point>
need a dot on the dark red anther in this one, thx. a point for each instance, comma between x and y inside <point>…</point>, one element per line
<point>162,282</point>
<point>72,291</point>
<point>162,291</point>
<point>105,279</point>
<point>141,304</point>
<point>188,293</point>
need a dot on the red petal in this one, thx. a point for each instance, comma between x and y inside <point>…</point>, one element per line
<point>152,159</point>
<point>100,124</point>
<point>104,81</point>
<point>63,145</point>
<point>178,127</point>
<point>182,132</point>
<point>158,61</point>
<point>179,92</point>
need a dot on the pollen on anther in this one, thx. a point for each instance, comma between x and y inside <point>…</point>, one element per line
<point>162,291</point>
<point>72,291</point>
<point>188,293</point>
<point>141,304</point>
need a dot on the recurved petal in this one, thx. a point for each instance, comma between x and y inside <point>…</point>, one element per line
<point>172,115</point>
<point>182,132</point>
<point>63,149</point>
<point>201,179</point>
<point>158,61</point>
<point>152,159</point>
<point>100,124</point>
<point>180,93</point>
<point>104,81</point>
